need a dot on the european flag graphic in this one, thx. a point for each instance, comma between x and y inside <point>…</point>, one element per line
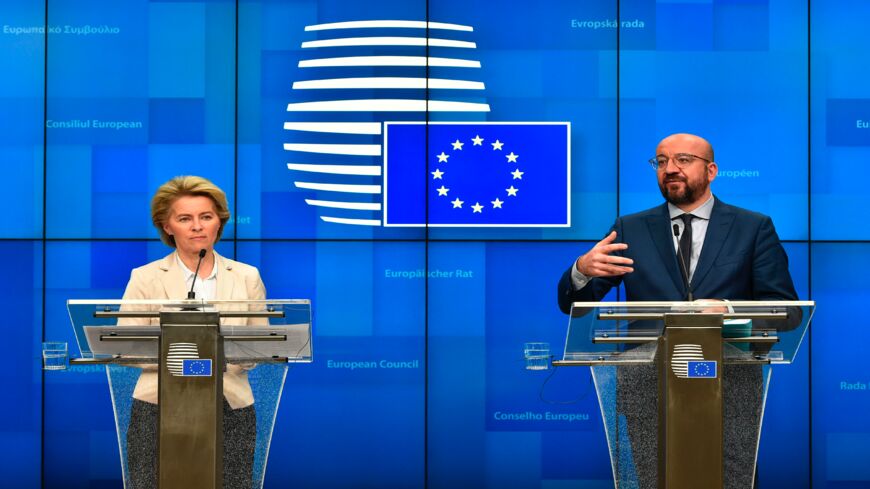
<point>702,370</point>
<point>477,174</point>
<point>200,367</point>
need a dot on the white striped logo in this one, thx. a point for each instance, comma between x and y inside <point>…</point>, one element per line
<point>178,352</point>
<point>354,83</point>
<point>683,354</point>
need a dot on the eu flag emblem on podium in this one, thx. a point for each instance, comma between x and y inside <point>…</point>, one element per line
<point>200,367</point>
<point>702,370</point>
<point>477,174</point>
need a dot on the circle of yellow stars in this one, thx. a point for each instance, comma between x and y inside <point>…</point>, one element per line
<point>477,208</point>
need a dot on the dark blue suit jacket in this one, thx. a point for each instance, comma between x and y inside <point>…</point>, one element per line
<point>742,259</point>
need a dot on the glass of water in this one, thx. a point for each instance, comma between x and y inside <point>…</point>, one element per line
<point>537,356</point>
<point>54,355</point>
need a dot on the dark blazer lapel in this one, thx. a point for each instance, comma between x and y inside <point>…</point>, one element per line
<point>660,229</point>
<point>721,220</point>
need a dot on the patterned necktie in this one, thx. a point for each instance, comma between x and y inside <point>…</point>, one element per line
<point>686,244</point>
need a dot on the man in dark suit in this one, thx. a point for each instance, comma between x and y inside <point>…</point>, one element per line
<point>727,253</point>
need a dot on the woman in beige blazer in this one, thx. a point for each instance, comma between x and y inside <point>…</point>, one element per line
<point>190,213</point>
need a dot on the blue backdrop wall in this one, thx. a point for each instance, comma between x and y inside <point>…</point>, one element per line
<point>105,100</point>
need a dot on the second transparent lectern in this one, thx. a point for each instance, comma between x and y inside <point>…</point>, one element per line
<point>682,385</point>
<point>193,353</point>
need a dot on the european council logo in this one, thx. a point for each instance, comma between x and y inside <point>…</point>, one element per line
<point>688,362</point>
<point>183,360</point>
<point>383,136</point>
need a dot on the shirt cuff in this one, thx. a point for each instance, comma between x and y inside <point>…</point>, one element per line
<point>578,279</point>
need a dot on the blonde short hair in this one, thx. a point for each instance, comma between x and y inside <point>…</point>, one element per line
<point>188,185</point>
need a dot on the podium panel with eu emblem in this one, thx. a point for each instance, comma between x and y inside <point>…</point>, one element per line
<point>682,385</point>
<point>197,359</point>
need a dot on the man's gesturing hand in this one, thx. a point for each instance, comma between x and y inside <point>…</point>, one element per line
<point>599,262</point>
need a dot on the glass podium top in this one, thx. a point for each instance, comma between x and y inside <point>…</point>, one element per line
<point>613,333</point>
<point>132,326</point>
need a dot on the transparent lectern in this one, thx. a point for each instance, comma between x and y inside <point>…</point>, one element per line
<point>682,385</point>
<point>190,345</point>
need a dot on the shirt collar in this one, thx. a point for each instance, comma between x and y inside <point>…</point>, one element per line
<point>188,273</point>
<point>704,211</point>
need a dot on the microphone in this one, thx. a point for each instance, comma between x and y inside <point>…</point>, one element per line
<point>192,295</point>
<point>685,267</point>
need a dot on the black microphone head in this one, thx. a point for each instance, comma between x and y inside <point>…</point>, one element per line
<point>676,230</point>
<point>202,252</point>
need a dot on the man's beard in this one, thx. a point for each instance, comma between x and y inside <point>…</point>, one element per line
<point>689,194</point>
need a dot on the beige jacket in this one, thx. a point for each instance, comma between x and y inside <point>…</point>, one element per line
<point>164,279</point>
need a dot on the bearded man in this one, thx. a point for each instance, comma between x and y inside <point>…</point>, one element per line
<point>726,253</point>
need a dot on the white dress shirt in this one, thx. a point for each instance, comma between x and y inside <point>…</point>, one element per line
<point>204,288</point>
<point>699,229</point>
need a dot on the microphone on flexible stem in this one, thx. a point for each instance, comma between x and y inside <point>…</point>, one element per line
<point>685,267</point>
<point>192,295</point>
